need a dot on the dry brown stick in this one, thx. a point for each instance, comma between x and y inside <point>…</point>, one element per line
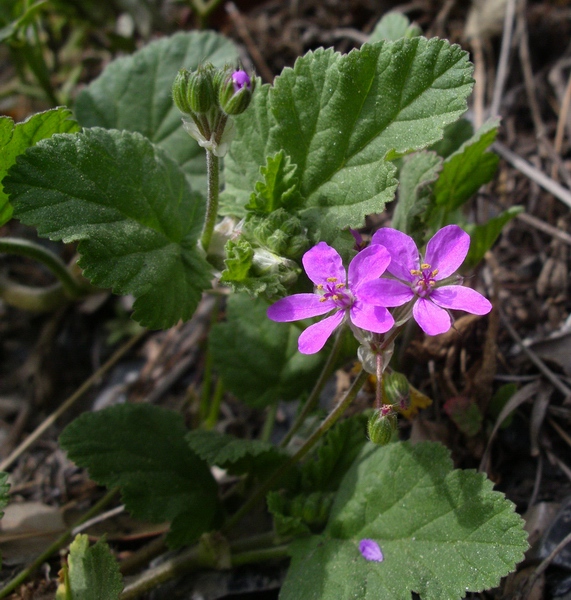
<point>502,72</point>
<point>527,72</point>
<point>547,372</point>
<point>437,29</point>
<point>480,82</point>
<point>561,124</point>
<point>242,29</point>
<point>534,174</point>
<point>554,232</point>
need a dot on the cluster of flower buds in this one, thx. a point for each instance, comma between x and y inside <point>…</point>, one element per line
<point>207,97</point>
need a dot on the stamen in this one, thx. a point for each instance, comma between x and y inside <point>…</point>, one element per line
<point>424,266</point>
<point>415,272</point>
<point>319,286</point>
<point>322,299</point>
<point>340,286</point>
<point>435,272</point>
<point>332,279</point>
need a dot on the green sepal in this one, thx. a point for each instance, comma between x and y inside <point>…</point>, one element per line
<point>200,89</point>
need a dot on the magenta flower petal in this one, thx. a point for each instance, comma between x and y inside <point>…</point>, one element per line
<point>403,251</point>
<point>322,262</point>
<point>371,550</point>
<point>371,318</point>
<point>369,264</point>
<point>431,318</point>
<point>298,306</point>
<point>315,336</point>
<point>447,250</point>
<point>241,79</point>
<point>461,298</point>
<point>385,292</point>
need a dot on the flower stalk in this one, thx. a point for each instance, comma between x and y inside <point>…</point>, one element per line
<point>213,191</point>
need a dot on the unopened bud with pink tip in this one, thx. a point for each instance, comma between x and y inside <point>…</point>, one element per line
<point>236,91</point>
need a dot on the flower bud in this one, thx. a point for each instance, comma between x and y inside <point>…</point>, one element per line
<point>236,92</point>
<point>380,426</point>
<point>397,389</point>
<point>180,91</point>
<point>201,90</point>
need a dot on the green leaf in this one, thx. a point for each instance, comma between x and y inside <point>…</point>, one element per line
<point>338,117</point>
<point>134,93</point>
<point>285,524</point>
<point>484,236</point>
<point>257,358</point>
<point>130,206</point>
<point>418,172</point>
<point>442,532</point>
<point>392,27</point>
<point>15,139</point>
<point>248,153</point>
<point>142,449</point>
<point>302,514</point>
<point>279,187</point>
<point>21,22</point>
<point>92,572</point>
<point>335,454</point>
<point>455,135</point>
<point>237,456</point>
<point>467,169</point>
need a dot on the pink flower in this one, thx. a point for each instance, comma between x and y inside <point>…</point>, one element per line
<point>422,279</point>
<point>371,550</point>
<point>337,293</point>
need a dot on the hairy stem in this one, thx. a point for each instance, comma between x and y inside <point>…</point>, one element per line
<point>213,172</point>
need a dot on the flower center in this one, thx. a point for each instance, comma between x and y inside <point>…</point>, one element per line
<point>424,280</point>
<point>336,292</point>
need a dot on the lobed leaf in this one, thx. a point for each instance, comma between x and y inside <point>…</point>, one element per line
<point>418,172</point>
<point>237,456</point>
<point>467,169</point>
<point>141,449</point>
<point>339,118</point>
<point>91,572</point>
<point>134,93</point>
<point>130,207</point>
<point>257,358</point>
<point>442,532</point>
<point>483,237</point>
<point>279,187</point>
<point>335,454</point>
<point>15,139</point>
